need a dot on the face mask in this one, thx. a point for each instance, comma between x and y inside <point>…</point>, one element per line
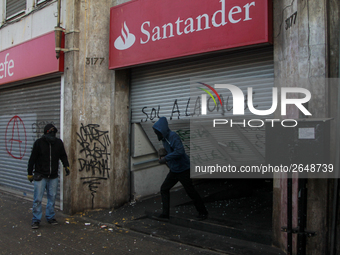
<point>50,137</point>
<point>159,135</point>
<point>51,134</point>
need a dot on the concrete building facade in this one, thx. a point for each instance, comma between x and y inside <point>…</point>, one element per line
<point>95,106</point>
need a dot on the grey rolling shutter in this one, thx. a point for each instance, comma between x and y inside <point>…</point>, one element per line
<point>14,7</point>
<point>163,89</point>
<point>25,110</point>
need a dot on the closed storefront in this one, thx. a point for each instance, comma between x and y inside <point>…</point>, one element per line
<point>176,41</point>
<point>25,110</point>
<point>30,98</point>
<point>164,90</point>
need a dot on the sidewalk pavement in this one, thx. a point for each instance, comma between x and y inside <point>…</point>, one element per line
<point>239,219</point>
<point>75,235</point>
<point>239,223</point>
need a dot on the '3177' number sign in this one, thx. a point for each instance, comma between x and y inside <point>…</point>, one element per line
<point>291,20</point>
<point>94,61</point>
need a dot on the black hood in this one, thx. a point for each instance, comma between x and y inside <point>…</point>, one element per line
<point>50,127</point>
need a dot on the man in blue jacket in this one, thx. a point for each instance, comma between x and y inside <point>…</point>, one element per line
<point>179,164</point>
<point>44,159</point>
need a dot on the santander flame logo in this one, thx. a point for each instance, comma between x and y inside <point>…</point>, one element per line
<point>126,40</point>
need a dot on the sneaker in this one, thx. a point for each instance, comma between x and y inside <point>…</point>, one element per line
<point>35,225</point>
<point>202,216</point>
<point>161,217</point>
<point>53,222</point>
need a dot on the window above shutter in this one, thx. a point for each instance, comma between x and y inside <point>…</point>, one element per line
<point>14,7</point>
<point>41,1</point>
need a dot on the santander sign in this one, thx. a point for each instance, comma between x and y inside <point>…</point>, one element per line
<point>190,25</point>
<point>174,28</point>
<point>126,40</point>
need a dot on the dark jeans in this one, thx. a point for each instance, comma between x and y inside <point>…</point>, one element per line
<point>184,178</point>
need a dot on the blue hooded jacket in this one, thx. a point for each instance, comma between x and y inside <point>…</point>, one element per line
<point>177,160</point>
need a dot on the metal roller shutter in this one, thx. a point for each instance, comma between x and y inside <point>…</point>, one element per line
<point>155,87</point>
<point>164,90</point>
<point>25,110</point>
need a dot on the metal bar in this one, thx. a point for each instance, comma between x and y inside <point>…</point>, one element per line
<point>61,133</point>
<point>337,169</point>
<point>146,161</point>
<point>302,217</point>
<point>289,215</point>
<point>58,18</point>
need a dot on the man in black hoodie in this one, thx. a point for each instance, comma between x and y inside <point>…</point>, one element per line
<point>45,156</point>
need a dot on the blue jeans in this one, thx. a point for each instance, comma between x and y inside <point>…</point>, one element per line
<point>51,186</point>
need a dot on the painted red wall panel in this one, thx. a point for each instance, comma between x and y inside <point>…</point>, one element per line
<point>145,31</point>
<point>32,58</point>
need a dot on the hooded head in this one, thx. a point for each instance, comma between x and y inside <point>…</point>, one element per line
<point>50,128</point>
<point>161,128</point>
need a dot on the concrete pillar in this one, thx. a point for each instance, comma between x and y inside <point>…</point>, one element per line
<point>70,78</point>
<point>333,19</point>
<point>121,132</point>
<point>307,49</point>
<point>93,128</point>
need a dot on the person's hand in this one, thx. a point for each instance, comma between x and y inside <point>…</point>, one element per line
<point>162,153</point>
<point>162,160</point>
<point>67,170</point>
<point>30,178</point>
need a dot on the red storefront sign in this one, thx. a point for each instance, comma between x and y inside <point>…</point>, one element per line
<point>30,59</point>
<point>144,31</point>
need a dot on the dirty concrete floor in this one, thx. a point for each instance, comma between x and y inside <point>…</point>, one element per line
<point>239,219</point>
<point>74,235</point>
